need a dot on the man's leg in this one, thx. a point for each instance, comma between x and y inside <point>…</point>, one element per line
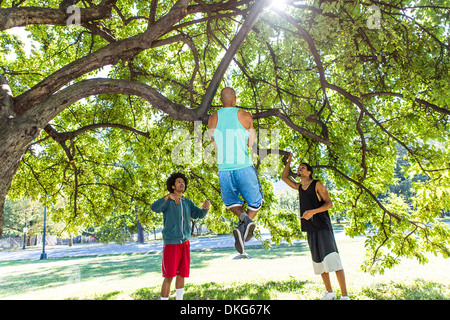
<point>165,288</point>
<point>169,269</point>
<point>239,231</point>
<point>183,268</point>
<point>237,211</point>
<point>250,189</point>
<point>329,294</point>
<point>246,225</point>
<point>250,225</point>
<point>232,184</point>
<point>179,286</point>
<point>341,279</point>
<point>326,281</point>
<point>230,197</point>
<point>251,213</point>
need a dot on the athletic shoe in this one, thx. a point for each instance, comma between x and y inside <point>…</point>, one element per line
<point>249,228</point>
<point>238,234</point>
<point>345,298</point>
<point>328,296</point>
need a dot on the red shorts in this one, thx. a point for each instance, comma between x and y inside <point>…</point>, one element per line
<point>176,260</point>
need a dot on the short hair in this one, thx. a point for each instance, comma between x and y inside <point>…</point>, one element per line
<point>309,169</point>
<point>227,94</point>
<point>173,177</point>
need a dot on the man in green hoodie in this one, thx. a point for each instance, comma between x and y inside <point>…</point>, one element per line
<point>178,212</point>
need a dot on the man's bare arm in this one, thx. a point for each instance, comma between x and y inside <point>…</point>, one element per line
<point>212,123</point>
<point>285,176</point>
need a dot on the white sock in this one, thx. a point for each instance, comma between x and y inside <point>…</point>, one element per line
<point>164,298</point>
<point>180,293</point>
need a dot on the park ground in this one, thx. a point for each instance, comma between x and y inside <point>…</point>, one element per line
<point>281,273</point>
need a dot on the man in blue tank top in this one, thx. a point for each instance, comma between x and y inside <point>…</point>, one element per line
<point>231,131</point>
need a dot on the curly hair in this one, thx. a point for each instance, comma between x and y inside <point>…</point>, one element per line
<point>171,181</point>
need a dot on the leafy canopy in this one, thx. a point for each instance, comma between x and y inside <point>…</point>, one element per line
<point>344,95</point>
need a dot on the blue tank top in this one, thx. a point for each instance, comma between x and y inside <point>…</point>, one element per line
<point>232,141</point>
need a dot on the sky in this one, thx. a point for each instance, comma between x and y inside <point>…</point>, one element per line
<point>31,44</point>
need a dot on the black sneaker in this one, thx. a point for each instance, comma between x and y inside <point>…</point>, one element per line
<point>238,234</point>
<point>249,228</point>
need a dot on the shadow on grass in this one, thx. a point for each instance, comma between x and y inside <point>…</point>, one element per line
<point>53,273</point>
<point>418,290</point>
<point>233,291</point>
<point>106,296</point>
<point>58,272</point>
<point>302,290</point>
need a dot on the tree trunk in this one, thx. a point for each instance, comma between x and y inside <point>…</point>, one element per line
<point>15,135</point>
<point>236,43</point>
<point>140,232</point>
<point>13,144</point>
<point>192,228</point>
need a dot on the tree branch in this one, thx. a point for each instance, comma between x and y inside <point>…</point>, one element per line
<point>312,47</point>
<point>24,16</point>
<point>237,41</point>
<point>363,146</point>
<point>277,113</point>
<point>62,137</point>
<point>109,55</point>
<point>6,99</point>
<point>360,185</point>
<point>55,136</point>
<point>46,110</point>
<point>399,95</point>
<point>152,17</point>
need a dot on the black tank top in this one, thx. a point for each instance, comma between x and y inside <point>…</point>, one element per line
<point>309,200</point>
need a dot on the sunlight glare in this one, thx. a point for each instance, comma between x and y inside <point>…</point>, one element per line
<point>278,4</point>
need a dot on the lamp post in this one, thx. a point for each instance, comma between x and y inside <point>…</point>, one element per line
<point>25,230</point>
<point>43,254</point>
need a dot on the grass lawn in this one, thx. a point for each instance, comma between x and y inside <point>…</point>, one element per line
<point>284,272</point>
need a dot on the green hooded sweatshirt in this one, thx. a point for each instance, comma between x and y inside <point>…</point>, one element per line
<point>177,218</point>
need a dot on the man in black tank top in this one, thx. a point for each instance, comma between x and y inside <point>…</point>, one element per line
<point>315,221</point>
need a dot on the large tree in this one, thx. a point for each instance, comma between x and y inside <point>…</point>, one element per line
<point>345,83</point>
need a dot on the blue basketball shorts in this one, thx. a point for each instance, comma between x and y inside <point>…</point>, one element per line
<point>243,182</point>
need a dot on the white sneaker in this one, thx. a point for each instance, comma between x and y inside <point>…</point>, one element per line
<point>345,298</point>
<point>328,296</point>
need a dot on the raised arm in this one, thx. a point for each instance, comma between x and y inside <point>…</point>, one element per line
<point>199,213</point>
<point>285,176</point>
<point>159,205</point>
